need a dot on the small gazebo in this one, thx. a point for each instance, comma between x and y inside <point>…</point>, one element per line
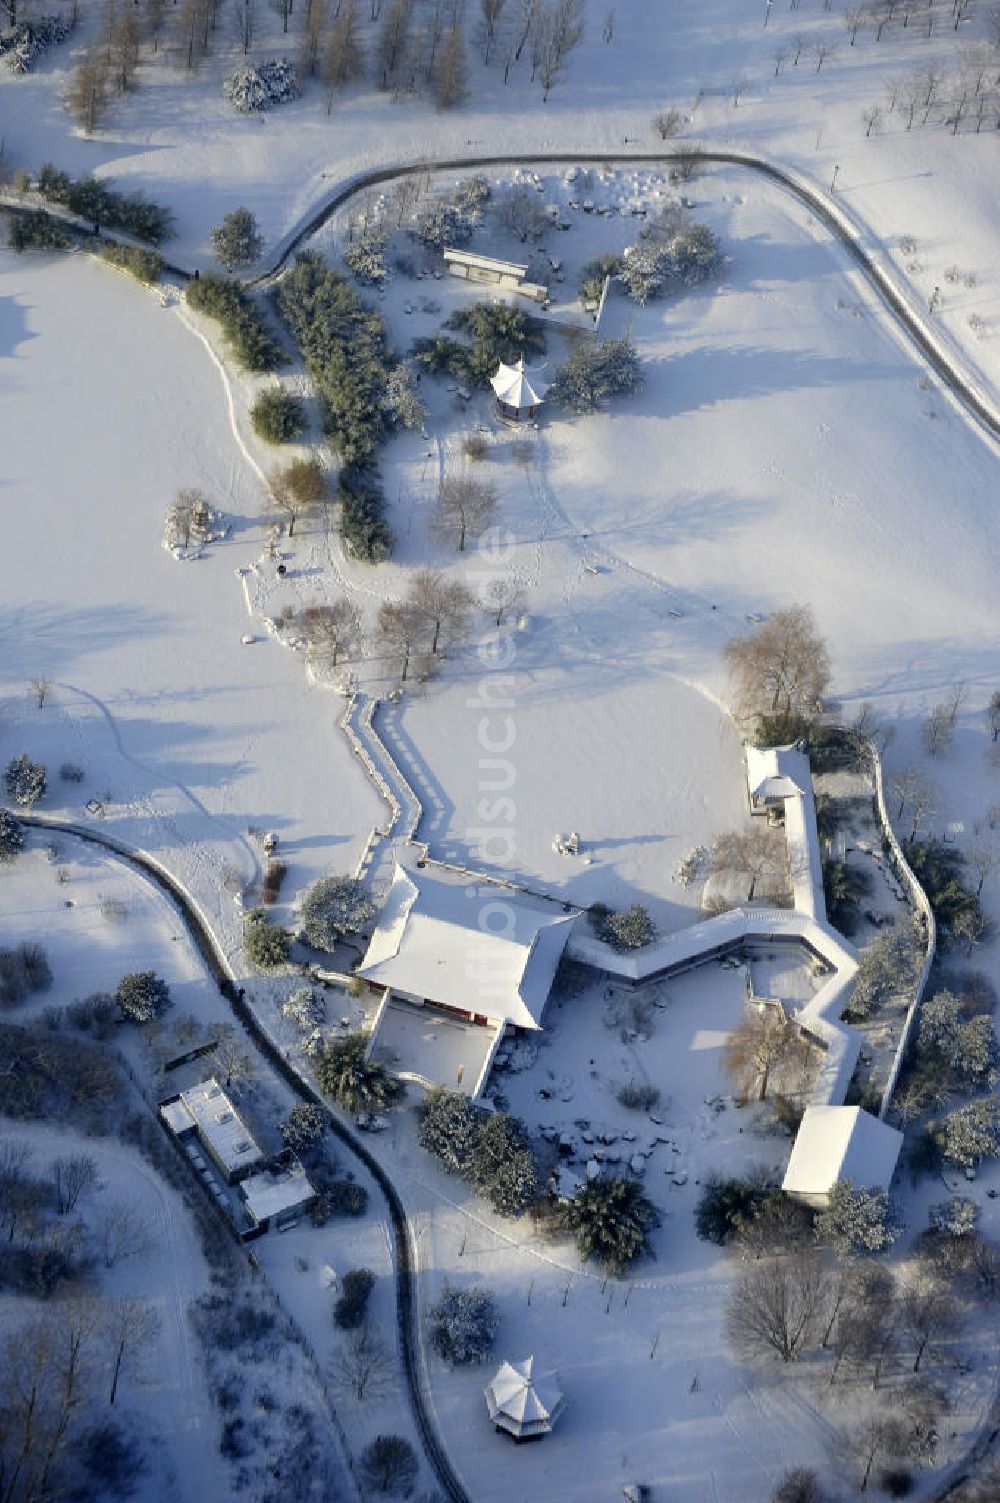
<point>523,1402</point>
<point>519,391</point>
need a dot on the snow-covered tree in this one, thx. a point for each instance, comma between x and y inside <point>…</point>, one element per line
<point>629,930</point>
<point>142,996</point>
<point>462,1324</point>
<point>857,1220</point>
<point>939,1024</point>
<point>595,372</point>
<point>365,256</point>
<point>472,194</point>
<point>11,835</point>
<point>237,241</point>
<point>968,1050</point>
<point>522,213</point>
<point>969,1134</point>
<point>974,1056</point>
<point>256,88</point>
<point>334,907</point>
<point>955,1217</point>
<point>611,1218</point>
<point>303,1127</point>
<point>645,269</point>
<point>885,966</point>
<point>444,223</point>
<point>504,1166</point>
<point>266,944</point>
<point>449,1124</point>
<point>304,1008</point>
<point>24,781</point>
<point>400,400</point>
<point>24,44</point>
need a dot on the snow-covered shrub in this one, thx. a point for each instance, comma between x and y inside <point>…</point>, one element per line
<point>857,1220</point>
<point>237,241</point>
<point>334,907</point>
<point>595,372</point>
<point>36,231</point>
<point>142,996</point>
<point>462,1325</point>
<point>956,1217</point>
<point>968,1050</point>
<point>638,1095</point>
<point>670,250</point>
<point>303,1127</point>
<point>629,930</point>
<point>611,1219</point>
<point>472,195</point>
<point>190,524</point>
<point>277,416</point>
<point>443,223</point>
<point>24,45</point>
<point>364,256</point>
<point>304,1008</point>
<point>504,1166</point>
<point>11,835</point>
<point>24,781</point>
<point>223,298</point>
<point>402,404</point>
<point>260,86</point>
<point>144,265</point>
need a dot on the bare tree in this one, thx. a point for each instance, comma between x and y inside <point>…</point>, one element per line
<point>521,212</point>
<point>668,123</point>
<point>298,488</point>
<point>937,730</point>
<point>464,504</point>
<point>503,595</point>
<point>444,604</point>
<point>192,26</point>
<point>954,700</point>
<point>764,1041</point>
<point>130,1327</point>
<point>124,50</point>
<point>344,62</point>
<point>284,10</point>
<point>122,1233</point>
<point>559,32</point>
<point>401,627</point>
<point>312,37</point>
<point>880,1436</point>
<point>854,18</point>
<point>821,51</point>
<point>87,96</point>
<point>327,629</point>
<point>760,853</point>
<point>40,691</point>
<point>871,119</point>
<point>913,794</point>
<point>393,43</point>
<point>153,13</point>
<point>737,88</point>
<point>782,666</point>
<point>776,1307</point>
<point>72,1177</point>
<point>43,1373</point>
<point>363,1367</point>
<point>448,73</point>
<point>233,1060</point>
<point>928,1312</point>
<point>491,10</point>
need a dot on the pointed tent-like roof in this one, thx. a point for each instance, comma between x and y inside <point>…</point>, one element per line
<point>777,772</point>
<point>519,387</point>
<point>524,1401</point>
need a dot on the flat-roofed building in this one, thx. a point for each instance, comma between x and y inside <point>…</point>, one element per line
<point>220,1128</point>
<point>278,1193</point>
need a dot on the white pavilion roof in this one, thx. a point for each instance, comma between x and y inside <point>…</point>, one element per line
<point>523,1400</point>
<point>440,941</point>
<point>517,387</point>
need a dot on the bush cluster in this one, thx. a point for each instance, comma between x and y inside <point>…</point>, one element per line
<point>349,1310</point>
<point>266,944</point>
<point>94,199</point>
<point>492,1151</point>
<point>223,299</point>
<point>36,231</point>
<point>277,416</point>
<point>938,869</point>
<point>494,332</point>
<point>144,265</point>
<point>23,971</point>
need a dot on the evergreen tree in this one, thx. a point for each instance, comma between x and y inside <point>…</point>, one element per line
<point>237,241</point>
<point>595,372</point>
<point>357,1084</point>
<point>333,908</point>
<point>448,1128</point>
<point>142,996</point>
<point>266,944</point>
<point>277,416</point>
<point>11,835</point>
<point>857,1220</point>
<point>304,1008</point>
<point>504,1165</point>
<point>969,1134</point>
<point>611,1218</point>
<point>24,781</point>
<point>629,930</point>
<point>302,1129</point>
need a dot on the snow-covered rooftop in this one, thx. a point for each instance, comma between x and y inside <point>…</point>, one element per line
<point>522,1400</point>
<point>516,386</point>
<point>443,941</point>
<point>837,1143</point>
<point>221,1126</point>
<point>276,1190</point>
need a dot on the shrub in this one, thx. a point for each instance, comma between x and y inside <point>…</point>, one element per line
<point>36,231</point>
<point>223,299</point>
<point>593,275</point>
<point>349,1310</point>
<point>11,835</point>
<point>70,772</point>
<point>333,908</point>
<point>725,1206</point>
<point>112,1460</point>
<point>100,201</point>
<point>302,1129</point>
<point>274,875</point>
<point>475,447</point>
<point>503,1165</point>
<point>277,416</point>
<point>341,1197</point>
<point>266,944</point>
<point>35,965</point>
<point>462,1325</point>
<point>388,1464</point>
<point>638,1095</point>
<point>93,1014</point>
<point>144,265</point>
<point>142,996</point>
<point>304,1008</point>
<point>626,931</point>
